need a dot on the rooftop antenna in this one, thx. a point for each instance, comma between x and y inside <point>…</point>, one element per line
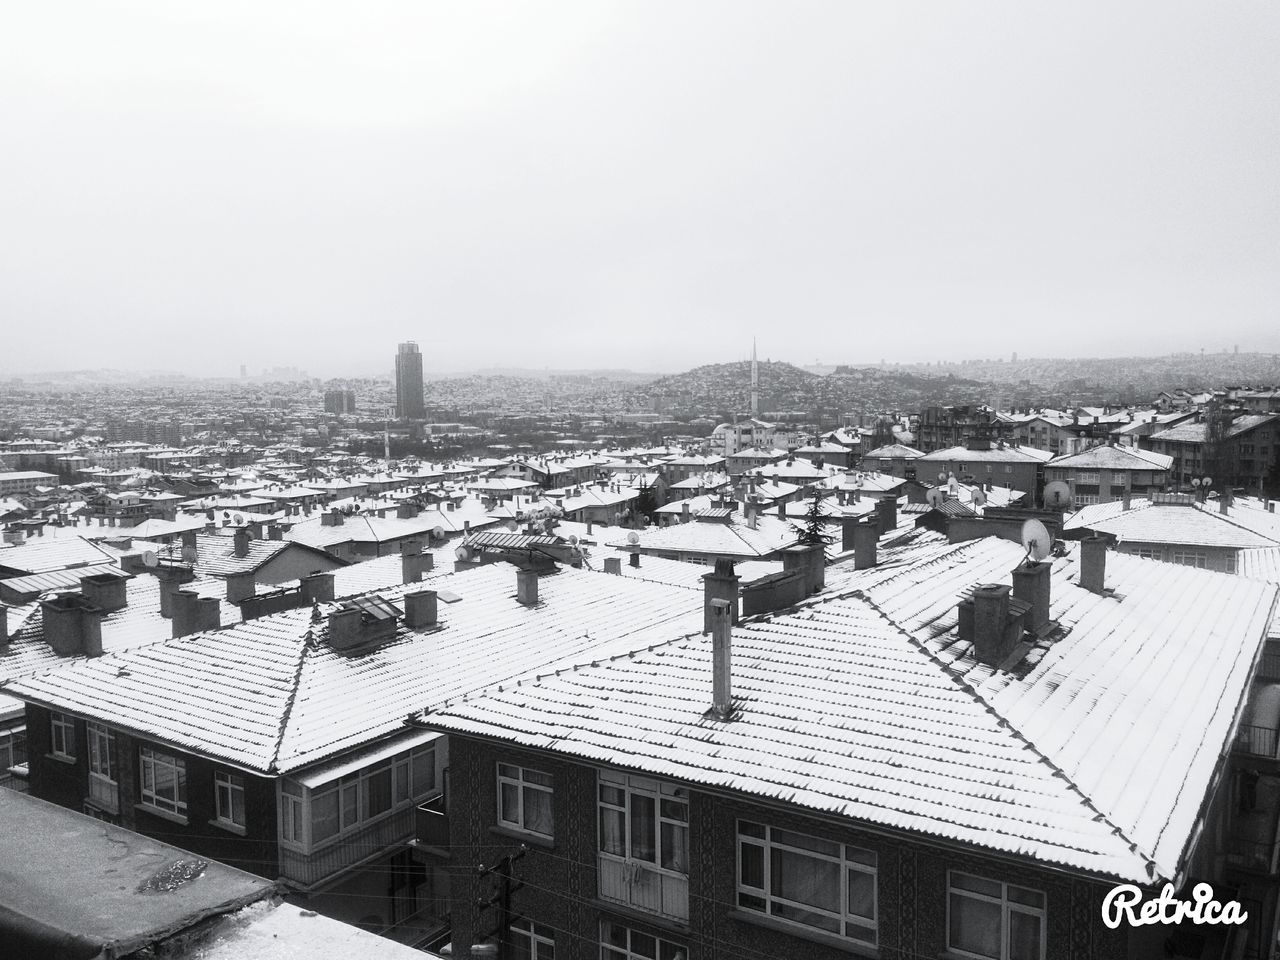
<point>1036,540</point>
<point>755,381</point>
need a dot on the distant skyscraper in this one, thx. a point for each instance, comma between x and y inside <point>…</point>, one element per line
<point>409,405</point>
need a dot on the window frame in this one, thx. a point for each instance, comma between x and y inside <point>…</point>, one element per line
<point>677,951</point>
<point>844,863</point>
<point>659,791</point>
<point>414,769</point>
<point>62,735</point>
<point>104,785</point>
<point>521,784</point>
<point>13,744</point>
<point>1006,908</point>
<point>540,939</point>
<point>155,760</point>
<point>224,781</point>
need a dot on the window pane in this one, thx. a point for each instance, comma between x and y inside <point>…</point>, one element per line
<point>807,917</point>
<point>350,804</point>
<point>826,848</point>
<point>975,926</point>
<point>537,811</point>
<point>1030,898</point>
<point>324,815</point>
<point>854,855</point>
<point>614,935</point>
<point>1024,936</point>
<point>642,824</point>
<point>862,895</point>
<point>402,782</point>
<point>965,881</point>
<point>675,846</point>
<point>643,945</point>
<point>509,803</point>
<point>612,832</point>
<point>237,807</point>
<point>506,770</point>
<point>752,868</point>
<point>748,829</point>
<point>613,796</point>
<point>533,776</point>
<point>378,793</point>
<point>424,772</point>
<point>675,810</point>
<point>805,879</point>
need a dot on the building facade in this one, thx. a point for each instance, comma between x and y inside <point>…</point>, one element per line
<point>409,399</point>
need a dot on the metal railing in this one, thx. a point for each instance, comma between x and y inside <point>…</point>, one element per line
<point>1257,741</point>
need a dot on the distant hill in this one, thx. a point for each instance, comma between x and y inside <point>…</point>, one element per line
<point>725,388</point>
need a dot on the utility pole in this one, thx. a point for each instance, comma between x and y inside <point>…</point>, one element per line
<point>504,886</point>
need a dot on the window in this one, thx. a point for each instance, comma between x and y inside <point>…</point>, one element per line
<point>993,920</point>
<point>622,943</point>
<point>1189,558</point>
<point>532,941</point>
<point>805,880</point>
<point>13,749</point>
<point>102,782</point>
<point>524,800</point>
<point>642,820</point>
<point>62,736</point>
<point>228,795</point>
<point>1231,563</point>
<point>347,804</point>
<point>291,806</point>
<point>163,780</point>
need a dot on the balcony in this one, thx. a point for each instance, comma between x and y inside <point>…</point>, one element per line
<point>348,850</point>
<point>644,887</point>
<point>1253,845</point>
<point>432,823</point>
<point>1257,741</point>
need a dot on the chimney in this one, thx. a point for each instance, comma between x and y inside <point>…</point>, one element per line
<point>527,587</point>
<point>4,628</point>
<point>782,510</point>
<point>720,613</point>
<point>240,586</point>
<point>241,538</point>
<point>1127,499</point>
<point>345,628</point>
<point>684,512</point>
<point>107,591</point>
<point>132,563</point>
<point>406,510</point>
<point>420,609</point>
<point>1224,501</point>
<point>887,514</point>
<point>414,565</point>
<point>318,587</point>
<point>865,535</point>
<point>995,633</point>
<point>188,538</point>
<point>254,529</point>
<point>588,528</point>
<point>72,626</point>
<point>1032,585</point>
<point>275,532</point>
<point>719,585</point>
<point>193,613</point>
<point>1093,563</point>
<point>635,559</point>
<point>613,565</point>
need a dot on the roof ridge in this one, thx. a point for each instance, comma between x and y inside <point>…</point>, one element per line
<point>308,638</point>
<point>972,691</point>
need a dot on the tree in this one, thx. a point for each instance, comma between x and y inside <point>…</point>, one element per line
<point>813,529</point>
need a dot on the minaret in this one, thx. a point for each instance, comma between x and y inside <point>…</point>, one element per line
<point>755,381</point>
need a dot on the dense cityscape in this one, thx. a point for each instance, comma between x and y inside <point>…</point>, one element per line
<point>501,663</point>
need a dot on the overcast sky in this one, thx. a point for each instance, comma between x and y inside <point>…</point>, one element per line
<point>192,186</point>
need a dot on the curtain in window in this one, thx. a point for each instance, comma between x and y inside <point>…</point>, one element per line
<point>806,880</point>
<point>612,832</point>
<point>675,847</point>
<point>537,811</point>
<point>1024,936</point>
<point>324,815</point>
<point>642,828</point>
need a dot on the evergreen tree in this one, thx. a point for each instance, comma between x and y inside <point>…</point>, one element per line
<point>813,530</point>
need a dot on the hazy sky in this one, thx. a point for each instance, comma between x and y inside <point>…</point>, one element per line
<point>192,186</point>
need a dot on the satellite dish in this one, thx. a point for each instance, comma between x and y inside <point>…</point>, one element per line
<point>512,526</point>
<point>1057,495</point>
<point>189,554</point>
<point>237,519</point>
<point>149,558</point>
<point>573,539</point>
<point>463,553</point>
<point>935,497</point>
<point>226,515</point>
<point>953,486</point>
<point>1036,540</point>
<point>633,537</point>
<point>942,476</point>
<point>979,497</point>
<point>437,532</point>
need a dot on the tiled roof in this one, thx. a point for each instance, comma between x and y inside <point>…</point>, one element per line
<point>1009,453</point>
<point>894,451</point>
<point>1097,757</point>
<point>1108,457</point>
<point>42,554</point>
<point>1199,525</point>
<point>271,695</point>
<point>732,539</point>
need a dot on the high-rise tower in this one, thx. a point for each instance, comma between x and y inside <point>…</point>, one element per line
<point>409,405</point>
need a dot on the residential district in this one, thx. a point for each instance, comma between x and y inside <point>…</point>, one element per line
<point>371,670</point>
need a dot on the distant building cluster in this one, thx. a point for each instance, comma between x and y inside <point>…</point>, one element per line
<point>903,684</point>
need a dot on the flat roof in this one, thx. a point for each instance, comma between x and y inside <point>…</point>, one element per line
<point>109,891</point>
